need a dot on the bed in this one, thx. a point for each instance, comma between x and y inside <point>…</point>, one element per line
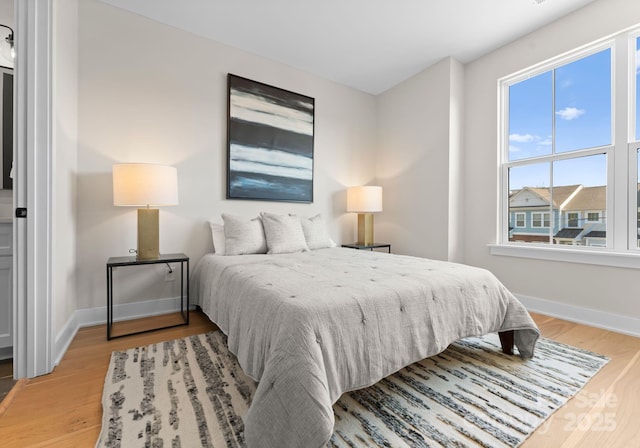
<point>310,326</point>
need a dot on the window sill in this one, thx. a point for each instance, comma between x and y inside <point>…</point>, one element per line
<point>577,255</point>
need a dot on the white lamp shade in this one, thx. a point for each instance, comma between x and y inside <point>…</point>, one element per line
<point>144,184</point>
<point>366,199</point>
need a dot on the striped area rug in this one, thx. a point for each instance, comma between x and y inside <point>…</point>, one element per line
<point>191,392</point>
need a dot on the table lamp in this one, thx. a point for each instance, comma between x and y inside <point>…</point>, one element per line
<point>145,185</point>
<point>364,201</point>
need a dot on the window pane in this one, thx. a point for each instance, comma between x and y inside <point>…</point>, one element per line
<point>589,171</point>
<point>580,198</point>
<point>583,103</point>
<point>535,175</point>
<point>572,219</point>
<point>529,203</point>
<point>540,219</point>
<point>530,117</point>
<point>536,220</point>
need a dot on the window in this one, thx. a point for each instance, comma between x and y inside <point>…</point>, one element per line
<point>520,219</point>
<point>573,220</point>
<point>559,133</point>
<point>540,220</point>
<point>536,220</point>
<point>559,146</point>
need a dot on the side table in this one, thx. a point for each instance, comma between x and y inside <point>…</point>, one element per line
<point>115,262</point>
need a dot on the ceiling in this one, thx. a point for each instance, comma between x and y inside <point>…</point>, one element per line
<point>370,45</point>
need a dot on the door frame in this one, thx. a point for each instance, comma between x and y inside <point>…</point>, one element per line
<point>32,280</point>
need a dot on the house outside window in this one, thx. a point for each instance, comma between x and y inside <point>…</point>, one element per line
<point>558,146</point>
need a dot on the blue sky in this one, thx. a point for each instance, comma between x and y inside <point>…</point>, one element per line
<point>582,117</point>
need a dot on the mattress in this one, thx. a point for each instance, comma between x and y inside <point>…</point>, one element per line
<point>310,326</point>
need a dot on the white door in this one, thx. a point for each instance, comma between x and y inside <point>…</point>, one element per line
<point>32,341</point>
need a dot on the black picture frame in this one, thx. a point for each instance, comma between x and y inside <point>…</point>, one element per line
<point>269,142</point>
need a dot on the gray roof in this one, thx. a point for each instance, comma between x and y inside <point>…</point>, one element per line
<point>596,234</point>
<point>568,233</point>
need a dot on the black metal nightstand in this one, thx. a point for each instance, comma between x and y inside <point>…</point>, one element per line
<point>369,246</point>
<point>115,262</point>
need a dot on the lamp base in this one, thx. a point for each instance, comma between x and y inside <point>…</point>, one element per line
<point>365,228</point>
<point>148,234</point>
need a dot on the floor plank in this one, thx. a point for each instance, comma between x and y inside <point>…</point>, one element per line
<point>600,414</point>
<point>63,409</point>
<point>6,378</point>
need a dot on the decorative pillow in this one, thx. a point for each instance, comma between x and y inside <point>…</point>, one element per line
<point>315,233</point>
<point>284,233</point>
<point>217,235</point>
<point>243,236</point>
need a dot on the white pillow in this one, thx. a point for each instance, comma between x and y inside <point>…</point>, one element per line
<point>284,233</point>
<point>315,233</point>
<point>243,236</point>
<point>217,235</point>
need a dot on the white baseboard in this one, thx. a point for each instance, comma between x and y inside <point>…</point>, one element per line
<point>87,317</point>
<point>95,316</point>
<point>64,338</point>
<point>587,316</point>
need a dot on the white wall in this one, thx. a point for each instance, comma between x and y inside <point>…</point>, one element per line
<point>152,93</point>
<point>602,288</point>
<point>456,162</point>
<point>64,160</point>
<point>419,165</point>
<point>7,12</point>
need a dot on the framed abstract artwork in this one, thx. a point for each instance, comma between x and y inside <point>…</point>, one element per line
<point>269,142</point>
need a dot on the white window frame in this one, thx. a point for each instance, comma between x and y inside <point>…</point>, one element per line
<point>622,248</point>
<point>634,206</point>
<point>633,155</point>
<point>524,220</point>
<point>542,220</point>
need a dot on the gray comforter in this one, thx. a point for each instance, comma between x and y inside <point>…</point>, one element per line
<point>311,326</point>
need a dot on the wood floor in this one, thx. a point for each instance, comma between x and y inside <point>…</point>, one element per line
<point>6,377</point>
<point>64,409</point>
